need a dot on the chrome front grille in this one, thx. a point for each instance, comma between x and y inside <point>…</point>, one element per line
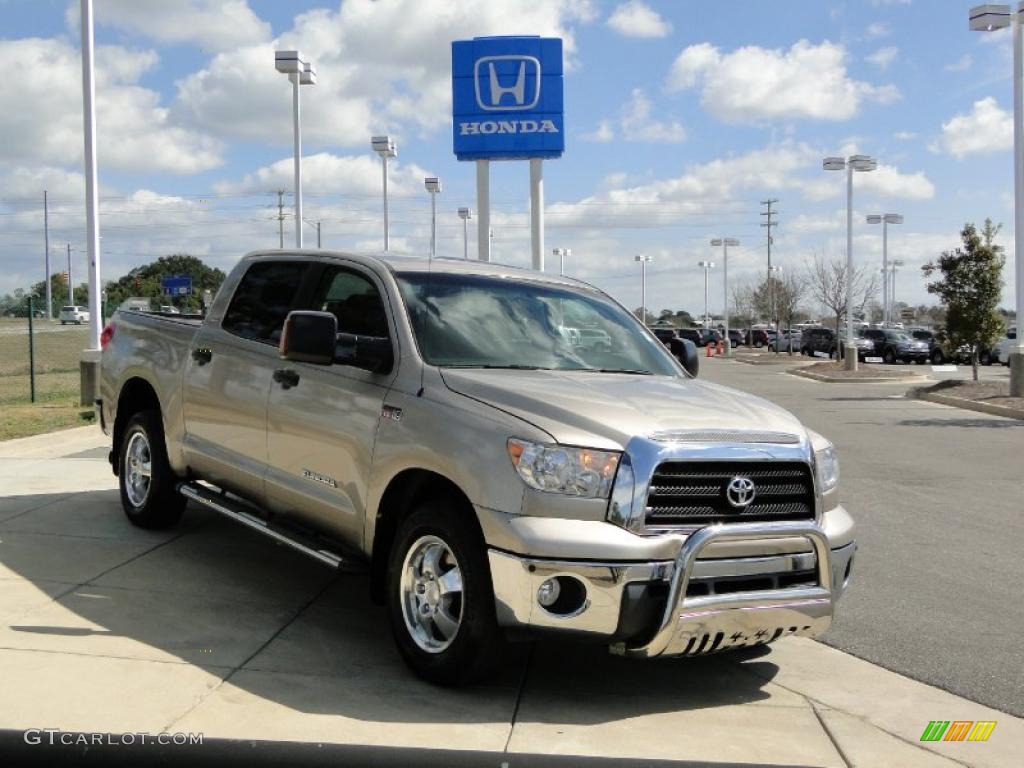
<point>693,493</point>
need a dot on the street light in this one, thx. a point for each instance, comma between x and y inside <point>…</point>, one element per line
<point>300,73</point>
<point>433,185</point>
<point>859,163</point>
<point>465,214</point>
<point>643,285</point>
<point>561,253</point>
<point>987,18</point>
<point>885,219</point>
<point>707,266</point>
<point>725,242</point>
<point>385,147</point>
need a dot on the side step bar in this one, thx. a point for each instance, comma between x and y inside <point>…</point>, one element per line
<point>238,511</point>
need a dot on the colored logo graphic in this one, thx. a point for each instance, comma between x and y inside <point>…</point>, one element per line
<point>958,730</point>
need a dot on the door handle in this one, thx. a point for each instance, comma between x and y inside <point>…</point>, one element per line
<point>202,355</point>
<point>286,377</point>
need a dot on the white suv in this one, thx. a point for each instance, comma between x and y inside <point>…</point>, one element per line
<point>74,314</point>
<point>1002,349</point>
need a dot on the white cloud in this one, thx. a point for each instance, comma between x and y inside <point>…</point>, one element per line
<point>986,128</point>
<point>904,135</point>
<point>962,64</point>
<point>883,57</point>
<point>325,173</point>
<point>638,125</point>
<point>878,29</point>
<point>637,19</point>
<point>753,83</point>
<point>602,134</point>
<point>888,181</point>
<point>217,24</point>
<point>41,103</point>
<point>382,66</point>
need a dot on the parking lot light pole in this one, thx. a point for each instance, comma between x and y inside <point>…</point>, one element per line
<point>299,73</point>
<point>725,242</point>
<point>433,185</point>
<point>707,266</point>
<point>561,253</point>
<point>885,219</point>
<point>859,163</point>
<point>988,18</point>
<point>896,264</point>
<point>385,147</point>
<point>643,285</point>
<point>465,214</point>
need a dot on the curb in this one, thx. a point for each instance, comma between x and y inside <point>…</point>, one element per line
<point>968,405</point>
<point>824,378</point>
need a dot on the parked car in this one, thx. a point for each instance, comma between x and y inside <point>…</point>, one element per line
<point>759,337</point>
<point>942,352</point>
<point>894,345</point>
<point>169,309</point>
<point>781,342</point>
<point>1001,351</point>
<point>823,340</point>
<point>492,479</point>
<point>676,343</point>
<point>73,314</point>
<point>736,337</point>
<point>595,338</point>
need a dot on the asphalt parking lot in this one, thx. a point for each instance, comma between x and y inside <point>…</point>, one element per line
<point>936,494</point>
<point>212,629</point>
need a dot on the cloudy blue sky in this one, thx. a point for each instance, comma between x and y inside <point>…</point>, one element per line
<point>680,118</point>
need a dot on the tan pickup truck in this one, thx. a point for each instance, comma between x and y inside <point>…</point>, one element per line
<point>508,453</point>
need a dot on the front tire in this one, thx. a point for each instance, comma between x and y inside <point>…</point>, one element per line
<point>145,477</point>
<point>889,357</point>
<point>440,597</point>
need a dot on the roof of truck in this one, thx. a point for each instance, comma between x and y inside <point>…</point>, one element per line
<point>439,264</point>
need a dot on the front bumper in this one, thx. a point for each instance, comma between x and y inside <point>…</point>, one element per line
<point>687,605</point>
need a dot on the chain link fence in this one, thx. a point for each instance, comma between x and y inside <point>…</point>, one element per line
<point>39,373</point>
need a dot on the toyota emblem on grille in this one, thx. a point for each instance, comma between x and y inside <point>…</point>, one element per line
<point>740,492</point>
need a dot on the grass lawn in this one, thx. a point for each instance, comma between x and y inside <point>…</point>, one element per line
<point>56,405</point>
<point>56,349</point>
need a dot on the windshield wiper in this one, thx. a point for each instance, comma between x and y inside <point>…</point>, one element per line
<point>511,367</point>
<point>617,370</point>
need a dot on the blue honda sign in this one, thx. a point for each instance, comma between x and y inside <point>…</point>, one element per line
<point>176,286</point>
<point>507,98</point>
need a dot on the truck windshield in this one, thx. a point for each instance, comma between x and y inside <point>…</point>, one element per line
<point>475,321</point>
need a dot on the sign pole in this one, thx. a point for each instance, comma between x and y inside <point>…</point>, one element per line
<point>537,211</point>
<point>483,207</point>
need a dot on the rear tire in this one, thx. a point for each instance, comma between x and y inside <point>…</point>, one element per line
<point>440,596</point>
<point>889,357</point>
<point>145,477</point>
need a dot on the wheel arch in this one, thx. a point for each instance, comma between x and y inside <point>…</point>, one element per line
<point>401,496</point>
<point>137,394</point>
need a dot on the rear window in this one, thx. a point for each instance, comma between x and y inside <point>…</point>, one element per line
<point>68,309</point>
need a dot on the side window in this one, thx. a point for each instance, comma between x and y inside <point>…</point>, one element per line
<point>354,300</point>
<point>263,299</point>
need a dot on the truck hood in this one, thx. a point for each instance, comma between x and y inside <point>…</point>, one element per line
<point>604,410</point>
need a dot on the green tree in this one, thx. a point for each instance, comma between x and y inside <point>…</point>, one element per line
<point>970,287</point>
<point>144,281</point>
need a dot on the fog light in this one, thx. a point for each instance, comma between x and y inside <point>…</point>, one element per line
<point>548,592</point>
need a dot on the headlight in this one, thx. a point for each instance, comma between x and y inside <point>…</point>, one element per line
<point>828,467</point>
<point>561,469</point>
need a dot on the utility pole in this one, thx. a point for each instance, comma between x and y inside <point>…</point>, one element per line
<point>318,234</point>
<point>46,245</point>
<point>280,218</point>
<point>768,213</point>
<point>71,280</point>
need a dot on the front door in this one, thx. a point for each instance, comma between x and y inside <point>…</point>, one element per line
<point>321,429</point>
<point>228,376</point>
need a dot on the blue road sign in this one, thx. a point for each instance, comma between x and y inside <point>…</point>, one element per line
<point>176,286</point>
<point>507,98</point>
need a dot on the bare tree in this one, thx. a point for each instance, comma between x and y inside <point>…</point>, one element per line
<point>786,294</point>
<point>829,286</point>
<point>742,309</point>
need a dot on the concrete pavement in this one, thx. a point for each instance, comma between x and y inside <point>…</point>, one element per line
<point>211,628</point>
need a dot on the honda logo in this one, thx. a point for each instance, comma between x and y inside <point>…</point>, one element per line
<point>507,83</point>
<point>740,492</point>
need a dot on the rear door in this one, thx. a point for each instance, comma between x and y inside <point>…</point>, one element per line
<point>321,431</point>
<point>228,377</point>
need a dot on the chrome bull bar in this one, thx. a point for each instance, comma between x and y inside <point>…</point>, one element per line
<point>703,624</point>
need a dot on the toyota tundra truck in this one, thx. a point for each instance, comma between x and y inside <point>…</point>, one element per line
<point>443,425</point>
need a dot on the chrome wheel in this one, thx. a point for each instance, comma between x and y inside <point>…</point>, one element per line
<point>431,594</point>
<point>138,469</point>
